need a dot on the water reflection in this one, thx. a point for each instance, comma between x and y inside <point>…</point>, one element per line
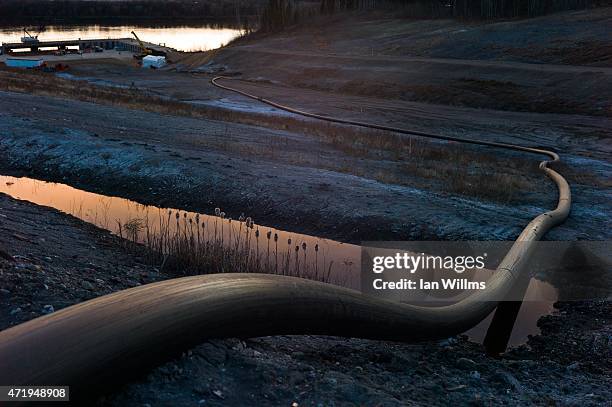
<point>142,222</point>
<point>200,38</point>
<point>113,213</point>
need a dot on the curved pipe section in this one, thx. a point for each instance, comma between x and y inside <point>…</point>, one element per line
<point>99,339</point>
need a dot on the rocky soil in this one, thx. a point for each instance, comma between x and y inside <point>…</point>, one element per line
<point>50,260</point>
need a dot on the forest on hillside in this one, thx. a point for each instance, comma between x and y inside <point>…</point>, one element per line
<point>269,14</point>
<point>279,14</point>
<point>75,11</point>
<point>464,8</point>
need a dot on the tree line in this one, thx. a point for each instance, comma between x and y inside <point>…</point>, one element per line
<point>465,8</point>
<point>516,8</point>
<point>75,11</point>
<point>272,15</point>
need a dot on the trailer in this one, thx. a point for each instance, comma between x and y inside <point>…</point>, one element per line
<point>153,62</point>
<point>24,62</point>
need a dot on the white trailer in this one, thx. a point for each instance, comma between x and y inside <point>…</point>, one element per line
<point>152,61</point>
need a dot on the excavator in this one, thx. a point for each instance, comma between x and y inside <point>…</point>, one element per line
<point>29,38</point>
<point>144,51</point>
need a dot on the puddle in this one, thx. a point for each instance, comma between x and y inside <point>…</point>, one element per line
<point>117,214</point>
<point>114,213</point>
<point>94,81</point>
<point>241,107</point>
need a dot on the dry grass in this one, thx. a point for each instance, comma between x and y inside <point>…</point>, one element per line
<point>207,245</point>
<point>384,156</point>
<point>456,168</point>
<point>39,83</point>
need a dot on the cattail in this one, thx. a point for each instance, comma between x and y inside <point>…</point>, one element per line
<point>229,222</point>
<point>276,253</point>
<point>289,241</point>
<point>197,217</point>
<point>268,236</point>
<point>257,247</point>
<point>304,251</point>
<point>317,261</point>
<point>178,215</point>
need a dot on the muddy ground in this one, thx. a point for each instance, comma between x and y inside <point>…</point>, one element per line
<point>50,260</point>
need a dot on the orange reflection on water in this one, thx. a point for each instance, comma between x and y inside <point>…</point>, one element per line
<point>181,38</point>
<point>110,212</point>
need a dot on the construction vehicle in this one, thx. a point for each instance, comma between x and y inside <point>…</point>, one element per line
<point>29,38</point>
<point>144,51</point>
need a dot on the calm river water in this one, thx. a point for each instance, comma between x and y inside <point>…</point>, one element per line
<point>183,38</point>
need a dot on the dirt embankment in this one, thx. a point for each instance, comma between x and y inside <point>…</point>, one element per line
<point>551,64</point>
<point>281,178</point>
<point>49,261</point>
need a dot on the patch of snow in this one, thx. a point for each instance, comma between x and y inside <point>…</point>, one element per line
<point>259,108</point>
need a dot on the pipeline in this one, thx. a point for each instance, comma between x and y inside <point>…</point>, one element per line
<point>98,340</point>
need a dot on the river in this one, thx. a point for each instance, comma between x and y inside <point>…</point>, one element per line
<point>182,38</point>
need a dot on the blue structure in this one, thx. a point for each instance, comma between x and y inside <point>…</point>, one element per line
<point>24,62</point>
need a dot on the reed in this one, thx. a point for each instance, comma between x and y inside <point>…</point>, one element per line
<point>188,245</point>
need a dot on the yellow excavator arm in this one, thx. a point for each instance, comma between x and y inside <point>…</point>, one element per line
<point>145,51</point>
